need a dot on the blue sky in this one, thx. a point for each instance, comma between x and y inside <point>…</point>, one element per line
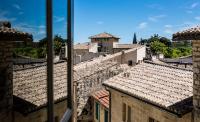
<point>119,17</point>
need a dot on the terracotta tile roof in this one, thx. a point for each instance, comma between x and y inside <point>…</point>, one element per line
<point>29,84</point>
<point>157,84</point>
<point>126,46</point>
<point>102,96</point>
<point>103,35</point>
<point>9,34</point>
<point>189,34</point>
<point>181,60</point>
<point>82,46</point>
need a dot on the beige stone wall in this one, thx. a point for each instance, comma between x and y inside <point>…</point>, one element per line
<point>41,115</point>
<point>140,111</point>
<point>107,44</point>
<point>80,51</point>
<point>6,97</point>
<point>196,83</point>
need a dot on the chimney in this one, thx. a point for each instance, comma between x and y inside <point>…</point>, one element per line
<point>6,75</point>
<point>6,94</point>
<point>196,78</point>
<point>7,38</point>
<point>194,35</point>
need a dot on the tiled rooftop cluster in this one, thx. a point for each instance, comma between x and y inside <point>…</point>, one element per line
<point>30,84</point>
<point>158,84</point>
<point>126,46</point>
<point>188,34</point>
<point>103,35</point>
<point>82,46</point>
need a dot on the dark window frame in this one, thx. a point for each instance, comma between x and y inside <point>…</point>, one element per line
<point>106,115</point>
<point>97,111</point>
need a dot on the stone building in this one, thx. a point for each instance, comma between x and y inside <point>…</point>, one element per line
<point>150,92</point>
<point>182,62</point>
<point>8,36</point>
<point>81,49</point>
<point>100,106</point>
<point>105,41</point>
<point>194,35</point>
<point>29,86</point>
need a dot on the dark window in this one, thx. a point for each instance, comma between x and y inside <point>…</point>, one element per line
<point>129,114</point>
<point>56,119</point>
<point>130,63</point>
<point>97,111</point>
<point>105,116</point>
<point>152,120</point>
<point>124,112</point>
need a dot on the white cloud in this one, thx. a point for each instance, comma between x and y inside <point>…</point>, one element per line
<point>194,5</point>
<point>143,25</point>
<point>41,32</point>
<point>197,18</point>
<point>20,13</point>
<point>59,19</point>
<point>156,18</point>
<point>4,16</point>
<point>100,22</point>
<point>168,26</point>
<point>17,6</point>
<point>168,31</point>
<point>41,26</point>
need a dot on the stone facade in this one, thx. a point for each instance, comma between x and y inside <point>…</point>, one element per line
<point>105,44</point>
<point>89,84</point>
<point>140,111</point>
<point>6,94</point>
<point>196,83</point>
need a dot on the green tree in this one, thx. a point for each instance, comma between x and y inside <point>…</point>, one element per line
<point>134,39</point>
<point>157,47</point>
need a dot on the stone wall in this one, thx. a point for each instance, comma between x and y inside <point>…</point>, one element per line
<point>89,84</point>
<point>6,99</point>
<point>196,84</point>
<point>141,111</point>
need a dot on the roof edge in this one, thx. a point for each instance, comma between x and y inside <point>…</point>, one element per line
<point>148,102</point>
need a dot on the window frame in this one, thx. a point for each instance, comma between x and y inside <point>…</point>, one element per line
<point>97,111</point>
<point>106,115</point>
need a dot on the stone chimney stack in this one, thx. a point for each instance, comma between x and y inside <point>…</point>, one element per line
<point>194,35</point>
<point>196,78</point>
<point>7,38</point>
<point>6,94</point>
